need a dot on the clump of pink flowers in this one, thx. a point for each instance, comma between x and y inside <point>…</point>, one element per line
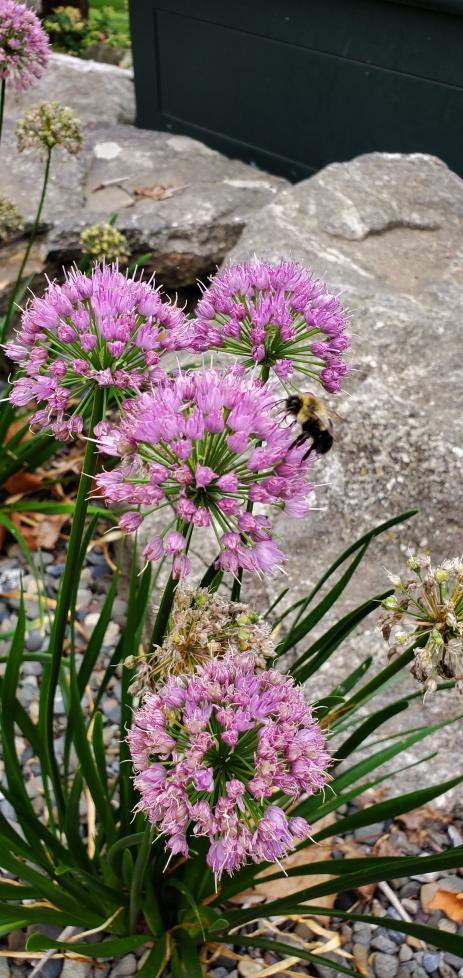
<point>102,330</point>
<point>207,445</point>
<point>278,316</point>
<point>24,46</point>
<point>212,749</point>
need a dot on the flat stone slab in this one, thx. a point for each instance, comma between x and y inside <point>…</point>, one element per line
<point>175,198</point>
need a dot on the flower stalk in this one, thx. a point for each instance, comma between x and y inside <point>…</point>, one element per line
<point>71,574</point>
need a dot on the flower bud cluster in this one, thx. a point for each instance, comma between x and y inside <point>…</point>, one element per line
<point>278,316</point>
<point>213,750</point>
<point>208,445</point>
<point>428,605</point>
<point>46,126</point>
<point>24,46</point>
<point>103,330</point>
<point>104,242</point>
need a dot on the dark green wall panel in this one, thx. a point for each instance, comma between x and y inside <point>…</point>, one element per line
<point>292,86</point>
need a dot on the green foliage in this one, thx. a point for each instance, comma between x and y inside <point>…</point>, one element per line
<point>69,31</point>
<point>112,878</point>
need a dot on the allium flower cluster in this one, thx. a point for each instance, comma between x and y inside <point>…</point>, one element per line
<point>203,625</point>
<point>46,126</point>
<point>278,316</point>
<point>208,445</point>
<point>99,330</point>
<point>211,750</point>
<point>104,242</point>
<point>24,47</point>
<point>10,221</point>
<point>429,605</point>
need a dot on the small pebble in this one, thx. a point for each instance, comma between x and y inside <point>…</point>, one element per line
<point>385,965</point>
<point>405,953</point>
<point>430,961</point>
<point>248,967</point>
<point>448,925</point>
<point>125,967</point>
<point>381,942</point>
<point>34,640</point>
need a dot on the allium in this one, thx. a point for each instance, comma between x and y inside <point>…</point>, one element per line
<point>103,241</point>
<point>207,445</point>
<point>10,221</point>
<point>212,750</point>
<point>202,626</point>
<point>428,605</point>
<point>98,330</point>
<point>278,316</point>
<point>46,126</point>
<point>24,47</point>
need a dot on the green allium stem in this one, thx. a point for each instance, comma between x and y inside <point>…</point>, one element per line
<point>167,600</point>
<point>71,574</point>
<point>2,103</point>
<point>236,588</point>
<point>32,237</point>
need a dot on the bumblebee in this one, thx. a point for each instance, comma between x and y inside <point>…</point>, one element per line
<point>312,415</point>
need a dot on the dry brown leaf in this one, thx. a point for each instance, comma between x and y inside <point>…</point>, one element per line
<point>15,426</point>
<point>40,530</point>
<point>451,903</point>
<point>366,892</point>
<point>22,483</point>
<point>360,960</point>
<point>384,847</point>
<point>158,191</point>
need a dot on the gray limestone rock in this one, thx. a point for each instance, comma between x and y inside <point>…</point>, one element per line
<point>176,199</point>
<point>99,93</point>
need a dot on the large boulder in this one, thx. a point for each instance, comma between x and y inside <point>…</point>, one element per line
<point>97,93</point>
<point>175,198</point>
<point>385,230</point>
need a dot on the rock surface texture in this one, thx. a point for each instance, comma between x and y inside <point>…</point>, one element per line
<point>97,93</point>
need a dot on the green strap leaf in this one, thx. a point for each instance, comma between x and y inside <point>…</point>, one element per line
<point>298,632</point>
<point>387,809</point>
<point>188,954</point>
<point>157,959</point>
<point>115,947</point>
<point>371,724</point>
<point>321,650</point>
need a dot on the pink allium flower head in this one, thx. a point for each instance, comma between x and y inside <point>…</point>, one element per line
<point>212,484</point>
<point>24,47</point>
<point>278,316</point>
<point>212,749</point>
<point>103,329</point>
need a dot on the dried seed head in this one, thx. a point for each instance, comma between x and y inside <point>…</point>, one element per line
<point>430,607</point>
<point>103,241</point>
<point>204,626</point>
<point>46,126</point>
